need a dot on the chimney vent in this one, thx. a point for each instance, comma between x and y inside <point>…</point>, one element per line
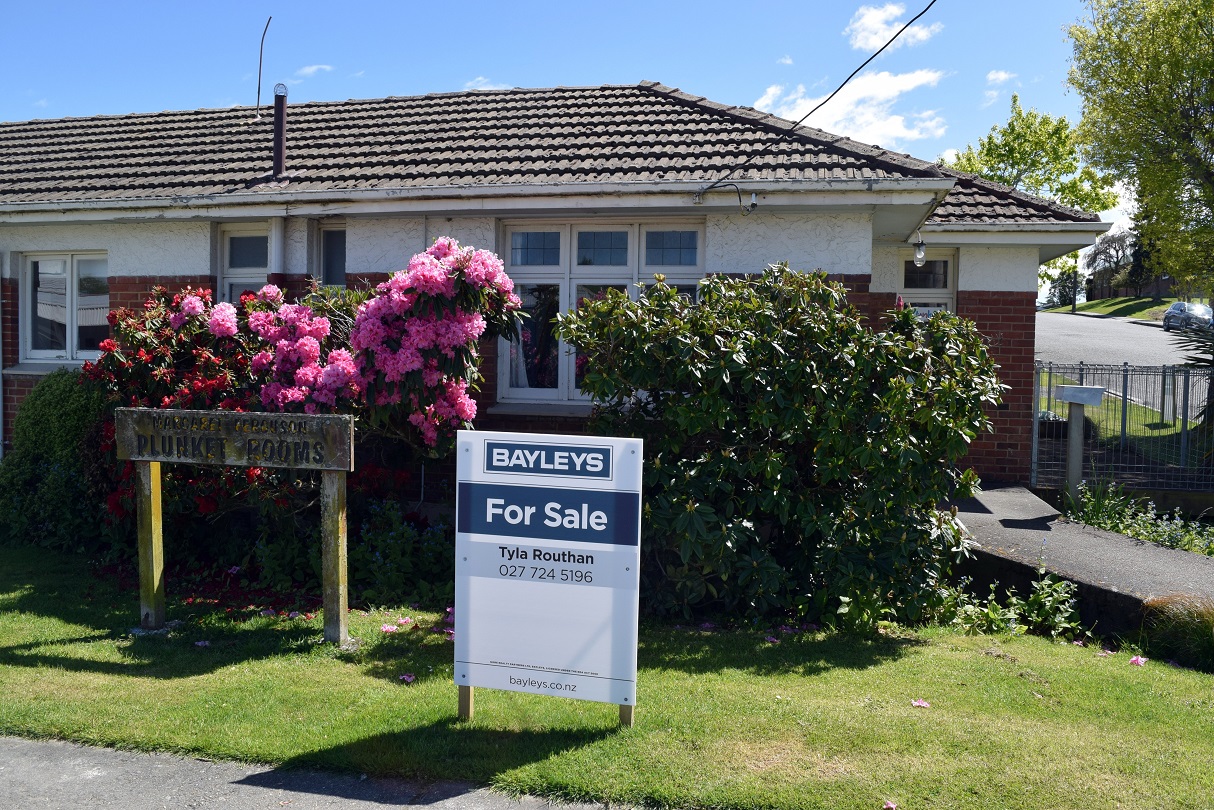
<point>280,130</point>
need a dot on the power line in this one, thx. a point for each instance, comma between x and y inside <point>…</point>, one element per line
<point>721,181</point>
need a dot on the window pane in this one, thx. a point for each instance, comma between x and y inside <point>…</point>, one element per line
<point>671,248</point>
<point>248,251</point>
<point>534,248</point>
<point>602,248</point>
<point>933,275</point>
<point>48,303</point>
<point>92,303</point>
<point>593,292</point>
<point>534,355</point>
<point>333,257</point>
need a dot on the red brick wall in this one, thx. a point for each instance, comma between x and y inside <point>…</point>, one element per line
<point>1009,322</point>
<point>131,291</point>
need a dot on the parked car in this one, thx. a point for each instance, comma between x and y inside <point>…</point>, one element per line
<point>1187,316</point>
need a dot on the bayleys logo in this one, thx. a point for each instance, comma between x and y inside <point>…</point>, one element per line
<point>572,461</point>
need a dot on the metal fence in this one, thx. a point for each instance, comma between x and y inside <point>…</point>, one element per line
<point>1150,431</point>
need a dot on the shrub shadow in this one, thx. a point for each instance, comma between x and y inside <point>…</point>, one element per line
<point>40,583</point>
<point>698,652</point>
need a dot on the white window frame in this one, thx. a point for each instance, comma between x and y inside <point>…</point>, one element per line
<point>926,301</point>
<point>322,228</point>
<point>568,275</point>
<point>71,351</point>
<point>251,278</point>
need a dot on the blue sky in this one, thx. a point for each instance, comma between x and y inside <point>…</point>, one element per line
<point>943,88</point>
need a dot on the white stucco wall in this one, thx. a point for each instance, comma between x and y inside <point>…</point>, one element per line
<point>134,249</point>
<point>836,243</point>
<point>296,245</point>
<point>1011,268</point>
<point>477,232</point>
<point>887,262</point>
<point>999,268</point>
<point>382,244</point>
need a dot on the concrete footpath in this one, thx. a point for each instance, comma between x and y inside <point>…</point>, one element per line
<point>1015,532</point>
<point>48,775</point>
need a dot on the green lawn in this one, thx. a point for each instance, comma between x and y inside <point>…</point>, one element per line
<point>725,719</point>
<point>1146,307</point>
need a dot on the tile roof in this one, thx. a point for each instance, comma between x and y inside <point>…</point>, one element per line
<point>475,139</point>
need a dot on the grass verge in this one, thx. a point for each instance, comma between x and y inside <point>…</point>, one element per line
<point>725,719</point>
<point>1147,308</point>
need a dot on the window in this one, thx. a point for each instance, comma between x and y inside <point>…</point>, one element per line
<point>557,267</point>
<point>932,287</point>
<point>64,306</point>
<point>333,256</point>
<point>246,261</point>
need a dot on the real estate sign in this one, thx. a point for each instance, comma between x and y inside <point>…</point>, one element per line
<point>547,564</point>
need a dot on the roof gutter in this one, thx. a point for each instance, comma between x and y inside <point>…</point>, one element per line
<point>470,194</point>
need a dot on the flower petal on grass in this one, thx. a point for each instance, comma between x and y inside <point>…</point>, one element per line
<point>404,621</point>
<point>202,644</point>
<point>388,628</point>
<point>920,703</point>
<point>1138,660</point>
<point>889,806</point>
<point>771,640</point>
<point>408,677</point>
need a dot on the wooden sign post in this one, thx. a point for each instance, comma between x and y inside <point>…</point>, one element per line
<point>149,437</point>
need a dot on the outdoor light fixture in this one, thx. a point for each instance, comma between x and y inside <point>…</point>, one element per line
<point>920,251</point>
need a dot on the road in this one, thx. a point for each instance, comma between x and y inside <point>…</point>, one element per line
<point>1063,338</point>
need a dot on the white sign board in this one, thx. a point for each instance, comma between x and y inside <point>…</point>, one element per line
<point>547,565</point>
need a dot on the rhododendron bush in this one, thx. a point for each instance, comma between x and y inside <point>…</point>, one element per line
<point>402,358</point>
<point>406,366</point>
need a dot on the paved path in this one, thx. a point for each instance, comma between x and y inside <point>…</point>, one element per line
<point>1017,532</point>
<point>47,775</point>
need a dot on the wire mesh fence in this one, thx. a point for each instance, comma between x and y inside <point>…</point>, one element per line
<point>1153,429</point>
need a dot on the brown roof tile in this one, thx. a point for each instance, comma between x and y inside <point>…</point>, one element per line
<point>610,134</point>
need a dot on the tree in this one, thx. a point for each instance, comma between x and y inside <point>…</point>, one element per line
<point>1041,155</point>
<point>1113,252</point>
<point>1144,69</point>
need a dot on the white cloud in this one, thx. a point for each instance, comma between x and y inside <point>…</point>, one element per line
<point>989,97</point>
<point>949,155</point>
<point>864,109</point>
<point>872,26</point>
<point>999,77</point>
<point>42,103</point>
<point>784,60</point>
<point>481,83</point>
<point>311,70</point>
<point>358,75</point>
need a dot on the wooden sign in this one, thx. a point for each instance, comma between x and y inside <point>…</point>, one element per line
<point>149,437</point>
<point>301,441</point>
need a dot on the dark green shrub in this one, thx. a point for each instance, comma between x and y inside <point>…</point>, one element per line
<point>44,496</point>
<point>794,456</point>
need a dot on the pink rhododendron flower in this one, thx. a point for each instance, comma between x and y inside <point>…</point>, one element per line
<point>920,703</point>
<point>388,628</point>
<point>270,294</point>
<point>1138,660</point>
<point>408,677</point>
<point>404,621</point>
<point>223,320</point>
<point>192,305</point>
<point>889,806</point>
<point>177,319</point>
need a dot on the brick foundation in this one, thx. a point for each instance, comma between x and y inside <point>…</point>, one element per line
<point>1009,322</point>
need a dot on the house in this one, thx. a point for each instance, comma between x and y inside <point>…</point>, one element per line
<point>576,188</point>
